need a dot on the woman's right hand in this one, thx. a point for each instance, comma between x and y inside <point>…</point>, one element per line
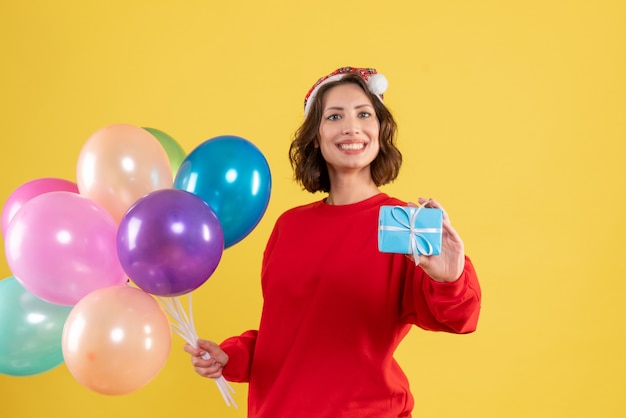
<point>209,367</point>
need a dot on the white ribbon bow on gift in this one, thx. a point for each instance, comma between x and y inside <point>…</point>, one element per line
<point>415,234</point>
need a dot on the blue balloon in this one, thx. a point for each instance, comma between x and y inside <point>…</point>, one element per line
<point>231,175</point>
<point>31,331</point>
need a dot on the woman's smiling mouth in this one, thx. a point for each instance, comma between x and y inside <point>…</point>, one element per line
<point>352,146</point>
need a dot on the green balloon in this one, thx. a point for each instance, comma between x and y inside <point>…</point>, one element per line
<point>31,331</point>
<point>175,152</point>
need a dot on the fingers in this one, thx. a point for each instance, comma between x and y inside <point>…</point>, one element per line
<point>207,345</point>
<point>432,203</point>
<point>211,349</point>
<point>450,232</point>
<point>210,368</point>
<point>424,260</point>
<point>208,359</point>
<point>429,203</point>
<point>192,350</point>
<point>202,349</point>
<point>206,367</point>
<point>214,351</point>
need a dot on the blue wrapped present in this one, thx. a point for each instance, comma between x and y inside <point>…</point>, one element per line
<point>410,230</point>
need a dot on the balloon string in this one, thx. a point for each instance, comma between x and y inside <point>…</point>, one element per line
<point>183,326</point>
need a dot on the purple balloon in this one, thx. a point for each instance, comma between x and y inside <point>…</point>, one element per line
<point>170,242</point>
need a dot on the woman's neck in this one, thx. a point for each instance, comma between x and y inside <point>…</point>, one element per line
<point>346,191</point>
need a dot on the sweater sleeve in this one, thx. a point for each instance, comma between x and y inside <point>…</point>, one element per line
<point>240,351</point>
<point>451,307</point>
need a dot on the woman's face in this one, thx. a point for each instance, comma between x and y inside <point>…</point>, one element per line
<point>349,129</point>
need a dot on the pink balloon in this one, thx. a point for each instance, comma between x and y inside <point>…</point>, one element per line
<point>61,246</point>
<point>29,190</point>
<point>116,340</point>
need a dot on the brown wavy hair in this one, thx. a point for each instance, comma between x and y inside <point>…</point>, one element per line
<point>306,158</point>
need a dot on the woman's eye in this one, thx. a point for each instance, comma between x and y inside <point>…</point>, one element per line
<point>334,117</point>
<point>365,114</point>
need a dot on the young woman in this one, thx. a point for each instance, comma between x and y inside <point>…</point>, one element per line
<point>335,308</point>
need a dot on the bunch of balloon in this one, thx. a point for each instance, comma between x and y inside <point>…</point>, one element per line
<point>61,246</point>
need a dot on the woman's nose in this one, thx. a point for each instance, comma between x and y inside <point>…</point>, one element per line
<point>351,126</point>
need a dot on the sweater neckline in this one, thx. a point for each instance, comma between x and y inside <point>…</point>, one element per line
<point>369,203</point>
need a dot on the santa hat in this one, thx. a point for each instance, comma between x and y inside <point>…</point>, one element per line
<point>377,83</point>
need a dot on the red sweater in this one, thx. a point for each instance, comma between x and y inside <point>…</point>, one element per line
<point>335,309</point>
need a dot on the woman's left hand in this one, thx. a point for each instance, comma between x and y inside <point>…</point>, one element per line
<point>449,264</point>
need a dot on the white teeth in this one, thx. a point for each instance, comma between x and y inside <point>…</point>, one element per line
<point>353,146</point>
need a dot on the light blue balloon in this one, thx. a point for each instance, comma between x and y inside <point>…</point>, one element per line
<point>231,175</point>
<point>31,331</point>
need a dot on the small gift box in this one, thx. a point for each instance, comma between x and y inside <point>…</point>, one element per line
<point>410,230</point>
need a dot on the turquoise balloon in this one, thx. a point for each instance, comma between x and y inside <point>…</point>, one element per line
<point>31,331</point>
<point>175,153</point>
<point>233,177</point>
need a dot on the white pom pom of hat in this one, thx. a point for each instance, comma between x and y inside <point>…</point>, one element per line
<point>376,83</point>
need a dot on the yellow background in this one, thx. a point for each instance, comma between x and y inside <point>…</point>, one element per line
<point>512,114</point>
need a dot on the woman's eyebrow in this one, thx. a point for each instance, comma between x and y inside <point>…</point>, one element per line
<point>355,107</point>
